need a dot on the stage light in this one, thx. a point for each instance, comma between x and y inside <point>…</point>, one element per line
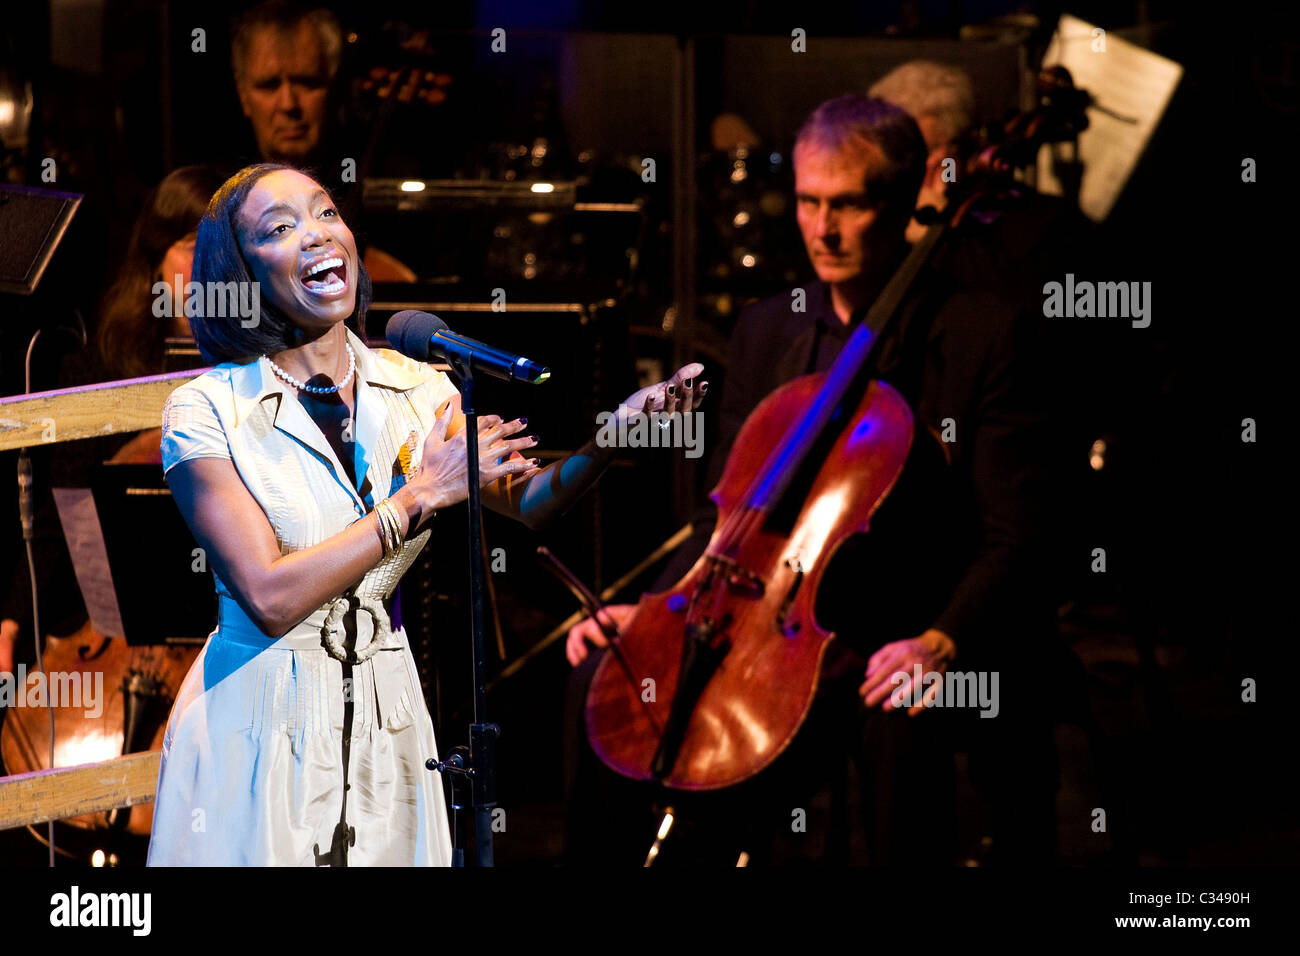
<point>1097,456</point>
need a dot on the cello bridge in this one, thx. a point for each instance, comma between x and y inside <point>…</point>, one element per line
<point>739,578</point>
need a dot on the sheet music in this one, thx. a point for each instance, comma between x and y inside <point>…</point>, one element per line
<point>85,540</point>
<point>1126,79</point>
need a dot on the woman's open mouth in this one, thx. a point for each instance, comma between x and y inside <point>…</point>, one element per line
<point>326,278</point>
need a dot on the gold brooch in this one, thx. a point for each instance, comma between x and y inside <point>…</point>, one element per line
<point>406,455</point>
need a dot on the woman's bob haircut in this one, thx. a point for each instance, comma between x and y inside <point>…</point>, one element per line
<point>219,259</point>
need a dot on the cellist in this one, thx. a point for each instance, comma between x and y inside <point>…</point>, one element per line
<point>964,362</point>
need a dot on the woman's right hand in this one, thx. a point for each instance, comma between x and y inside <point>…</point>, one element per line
<point>442,478</point>
<point>588,630</point>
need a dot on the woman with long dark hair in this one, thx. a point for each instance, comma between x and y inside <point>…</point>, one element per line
<point>161,249</point>
<point>310,468</point>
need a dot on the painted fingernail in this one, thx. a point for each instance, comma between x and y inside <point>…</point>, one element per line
<point>523,421</point>
<point>535,438</point>
<point>672,389</point>
<point>688,382</point>
<point>704,387</point>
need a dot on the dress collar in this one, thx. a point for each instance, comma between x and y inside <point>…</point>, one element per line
<point>256,384</point>
<point>387,368</point>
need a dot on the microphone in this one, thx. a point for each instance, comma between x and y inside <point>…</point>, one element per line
<point>423,336</point>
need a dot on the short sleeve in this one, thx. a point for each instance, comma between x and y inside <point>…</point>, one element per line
<point>191,429</point>
<point>439,386</point>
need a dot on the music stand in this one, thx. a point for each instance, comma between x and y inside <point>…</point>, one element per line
<point>150,555</point>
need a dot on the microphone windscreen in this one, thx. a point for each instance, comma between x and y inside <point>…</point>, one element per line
<point>410,331</point>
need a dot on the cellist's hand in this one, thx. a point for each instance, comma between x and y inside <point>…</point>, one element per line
<point>588,630</point>
<point>932,650</point>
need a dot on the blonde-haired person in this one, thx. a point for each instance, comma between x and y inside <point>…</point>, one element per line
<point>941,99</point>
<point>1030,238</point>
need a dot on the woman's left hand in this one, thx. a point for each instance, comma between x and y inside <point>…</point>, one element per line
<point>682,393</point>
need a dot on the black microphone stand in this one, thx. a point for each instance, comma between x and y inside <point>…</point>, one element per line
<point>477,764</point>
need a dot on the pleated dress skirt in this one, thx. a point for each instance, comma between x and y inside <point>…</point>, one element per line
<point>252,764</point>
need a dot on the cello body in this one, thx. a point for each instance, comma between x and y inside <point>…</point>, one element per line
<point>139,684</point>
<point>752,598</point>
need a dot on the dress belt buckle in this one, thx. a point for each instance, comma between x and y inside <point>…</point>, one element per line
<point>381,639</point>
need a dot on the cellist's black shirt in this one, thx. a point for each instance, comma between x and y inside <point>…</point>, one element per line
<point>969,356</point>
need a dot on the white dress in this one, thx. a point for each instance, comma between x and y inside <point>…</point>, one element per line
<point>252,764</point>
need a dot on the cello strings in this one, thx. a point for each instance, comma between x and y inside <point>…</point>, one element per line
<point>851,360</point>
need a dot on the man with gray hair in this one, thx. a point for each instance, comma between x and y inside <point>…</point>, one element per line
<point>941,99</point>
<point>963,359</point>
<point>285,57</point>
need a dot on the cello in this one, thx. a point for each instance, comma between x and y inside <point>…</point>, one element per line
<point>139,683</point>
<point>709,682</point>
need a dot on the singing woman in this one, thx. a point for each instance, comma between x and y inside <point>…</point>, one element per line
<point>310,470</point>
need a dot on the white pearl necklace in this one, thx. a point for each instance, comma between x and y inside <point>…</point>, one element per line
<point>319,389</point>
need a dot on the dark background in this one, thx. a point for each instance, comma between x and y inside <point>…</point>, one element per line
<point>1193,518</point>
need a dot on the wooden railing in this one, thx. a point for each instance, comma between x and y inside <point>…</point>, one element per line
<point>89,411</point>
<point>44,795</point>
<point>68,414</point>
